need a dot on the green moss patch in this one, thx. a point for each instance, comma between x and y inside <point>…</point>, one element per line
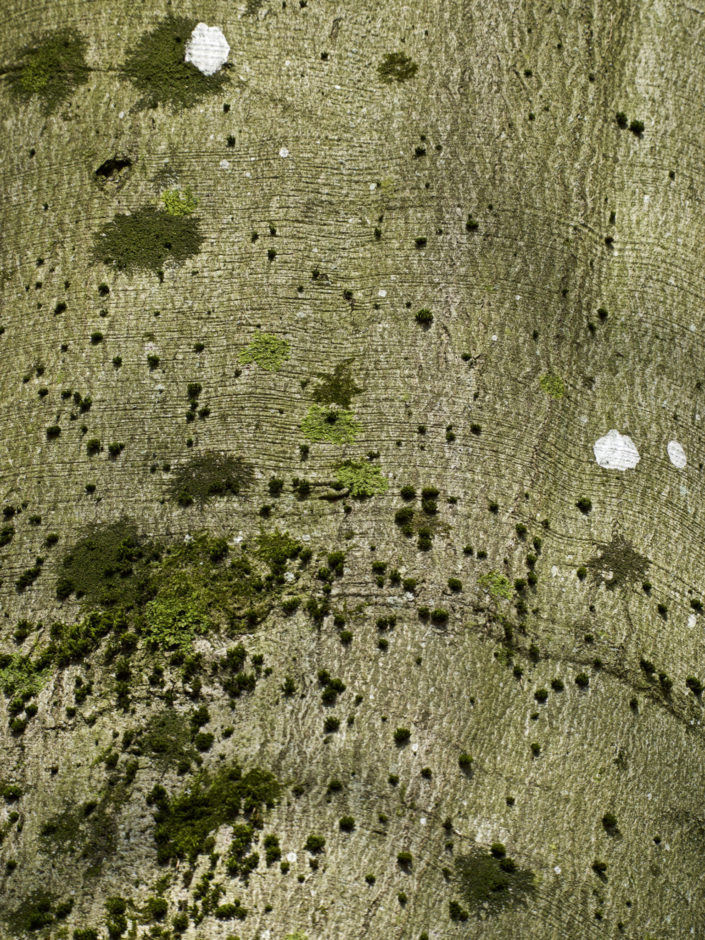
<point>552,385</point>
<point>166,738</point>
<point>210,474</point>
<point>185,823</point>
<point>268,351</point>
<point>361,478</point>
<point>19,676</point>
<point>108,566</point>
<point>333,425</point>
<point>396,67</point>
<point>489,884</point>
<point>146,239</point>
<point>337,387</point>
<point>50,68</point>
<point>179,201</point>
<point>496,584</point>
<point>157,67</point>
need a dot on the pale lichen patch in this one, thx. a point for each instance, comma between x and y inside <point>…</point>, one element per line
<point>676,454</point>
<point>616,451</point>
<point>207,49</point>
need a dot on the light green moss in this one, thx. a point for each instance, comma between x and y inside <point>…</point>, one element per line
<point>173,622</point>
<point>333,425</point>
<point>497,584</point>
<point>362,478</point>
<point>268,351</point>
<point>552,385</point>
<point>179,201</point>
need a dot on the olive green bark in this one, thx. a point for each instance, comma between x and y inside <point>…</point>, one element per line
<point>240,378</point>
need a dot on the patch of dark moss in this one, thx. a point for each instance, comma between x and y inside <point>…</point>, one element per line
<point>208,475</point>
<point>338,387</point>
<point>157,67</point>
<point>187,822</point>
<point>34,913</point>
<point>618,563</point>
<point>166,738</point>
<point>396,67</point>
<point>490,884</point>
<point>51,68</point>
<point>89,833</point>
<point>146,239</point>
<point>108,566</point>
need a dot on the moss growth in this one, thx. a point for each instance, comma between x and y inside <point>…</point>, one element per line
<point>108,566</point>
<point>157,67</point>
<point>362,478</point>
<point>146,239</point>
<point>552,385</point>
<point>174,620</point>
<point>185,822</point>
<point>51,68</point>
<point>490,884</point>
<point>336,426</point>
<point>210,474</point>
<point>179,201</point>
<point>268,351</point>
<point>337,387</point>
<point>396,67</point>
<point>496,584</point>
<point>20,677</point>
<point>166,738</point>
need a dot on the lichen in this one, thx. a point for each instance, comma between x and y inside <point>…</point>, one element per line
<point>552,385</point>
<point>179,201</point>
<point>496,584</point>
<point>269,352</point>
<point>51,68</point>
<point>336,426</point>
<point>362,478</point>
<point>157,67</point>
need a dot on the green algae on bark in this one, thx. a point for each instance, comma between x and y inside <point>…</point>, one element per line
<point>51,68</point>
<point>146,239</point>
<point>361,478</point>
<point>157,66</point>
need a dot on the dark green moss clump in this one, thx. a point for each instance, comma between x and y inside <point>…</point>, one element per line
<point>210,474</point>
<point>146,239</point>
<point>51,68</point>
<point>107,567</point>
<point>157,67</point>
<point>396,67</point>
<point>185,822</point>
<point>491,882</point>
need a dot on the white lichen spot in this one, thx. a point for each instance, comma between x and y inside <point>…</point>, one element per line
<point>423,820</point>
<point>207,49</point>
<point>676,454</point>
<point>224,164</point>
<point>284,152</point>
<point>557,869</point>
<point>616,451</point>
<point>692,620</point>
<point>382,293</point>
<point>291,857</point>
